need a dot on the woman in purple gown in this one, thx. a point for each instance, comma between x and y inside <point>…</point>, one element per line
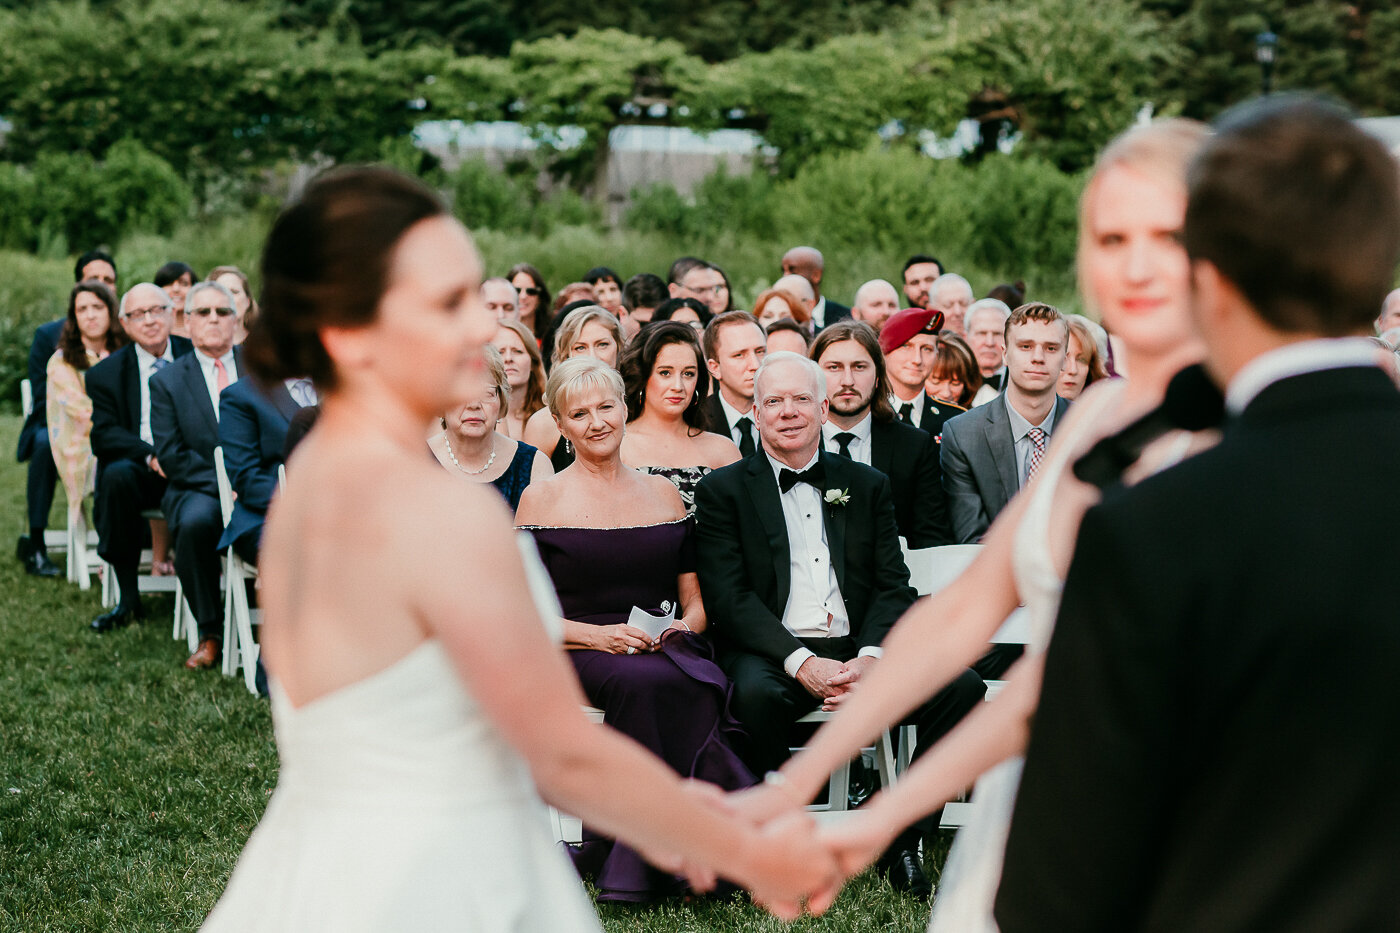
<point>614,539</point>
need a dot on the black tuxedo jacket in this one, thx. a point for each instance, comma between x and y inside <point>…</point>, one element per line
<point>980,474</point>
<point>114,385</point>
<point>742,548</point>
<point>253,425</point>
<point>909,457</point>
<point>715,421</point>
<point>186,429</point>
<point>40,350</point>
<point>1216,745</point>
<point>834,312</point>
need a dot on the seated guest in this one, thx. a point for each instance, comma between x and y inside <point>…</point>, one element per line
<point>778,303</point>
<point>613,539</point>
<point>90,333</point>
<point>572,296</point>
<point>986,334</point>
<point>800,288</point>
<point>989,453</point>
<point>951,294</point>
<point>524,374</point>
<point>787,334</point>
<point>533,301</point>
<point>471,447</point>
<point>1011,294</point>
<point>861,426</point>
<point>1389,318</point>
<point>799,556</point>
<point>130,477</point>
<point>641,296</point>
<point>703,281</point>
<point>607,289</point>
<point>587,330</point>
<point>1083,362</point>
<point>685,310</point>
<point>808,262</point>
<point>500,298</point>
<point>908,344</point>
<point>954,378</point>
<point>253,426</point>
<point>236,281</point>
<point>176,278</point>
<point>665,380</point>
<point>875,301</point>
<point>734,347</point>
<point>185,424</point>
<point>920,272</point>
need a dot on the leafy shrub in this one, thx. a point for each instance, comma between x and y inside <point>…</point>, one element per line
<point>486,199</point>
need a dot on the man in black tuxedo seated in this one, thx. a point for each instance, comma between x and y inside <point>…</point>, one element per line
<point>799,560</point>
<point>185,421</point>
<point>130,476</point>
<point>861,425</point>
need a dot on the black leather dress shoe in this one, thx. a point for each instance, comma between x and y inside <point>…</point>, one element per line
<point>38,565</point>
<point>116,618</point>
<point>907,873</point>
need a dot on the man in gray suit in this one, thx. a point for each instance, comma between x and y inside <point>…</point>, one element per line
<point>989,453</point>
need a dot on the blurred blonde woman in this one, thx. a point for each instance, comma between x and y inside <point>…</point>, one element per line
<point>1083,363</point>
<point>588,331</point>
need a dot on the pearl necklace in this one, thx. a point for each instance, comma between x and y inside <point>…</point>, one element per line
<point>453,457</point>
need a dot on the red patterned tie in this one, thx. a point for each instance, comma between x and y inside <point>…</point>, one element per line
<point>1037,437</point>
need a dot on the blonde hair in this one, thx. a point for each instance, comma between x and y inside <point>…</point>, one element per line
<point>578,374</point>
<point>576,321</point>
<point>1162,150</point>
<point>534,388</point>
<point>497,368</point>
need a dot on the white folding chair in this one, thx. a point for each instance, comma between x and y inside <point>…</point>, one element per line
<point>570,828</point>
<point>839,784</point>
<point>26,398</point>
<point>240,649</point>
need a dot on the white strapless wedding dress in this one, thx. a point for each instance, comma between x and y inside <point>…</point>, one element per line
<point>399,807</point>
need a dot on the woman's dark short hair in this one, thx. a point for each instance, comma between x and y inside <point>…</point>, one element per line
<point>667,309</point>
<point>172,272</point>
<point>1299,209</point>
<point>953,357</point>
<point>70,338</point>
<point>640,359</point>
<point>602,274</point>
<point>862,333</point>
<point>326,264</point>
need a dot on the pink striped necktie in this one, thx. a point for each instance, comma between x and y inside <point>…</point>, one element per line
<point>1037,437</point>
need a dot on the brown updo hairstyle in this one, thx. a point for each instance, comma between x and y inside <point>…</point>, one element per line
<point>326,264</point>
<point>639,360</point>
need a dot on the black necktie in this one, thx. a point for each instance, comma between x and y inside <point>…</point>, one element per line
<point>906,413</point>
<point>813,476</point>
<point>745,426</point>
<point>843,443</point>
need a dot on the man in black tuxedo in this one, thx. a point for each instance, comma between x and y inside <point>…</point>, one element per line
<point>130,476</point>
<point>989,453</point>
<point>1215,747</point>
<point>799,560</point>
<point>862,426</point>
<point>42,478</point>
<point>185,421</point>
<point>807,261</point>
<point>907,342</point>
<point>734,346</point>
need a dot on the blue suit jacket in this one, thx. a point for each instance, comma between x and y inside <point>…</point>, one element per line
<point>253,432</point>
<point>44,343</point>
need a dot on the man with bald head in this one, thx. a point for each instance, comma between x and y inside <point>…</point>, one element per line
<point>875,301</point>
<point>807,262</point>
<point>951,294</point>
<point>501,299</point>
<point>130,478</point>
<point>1390,313</point>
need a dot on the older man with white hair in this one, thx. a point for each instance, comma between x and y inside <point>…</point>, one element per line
<point>986,334</point>
<point>951,294</point>
<point>875,301</point>
<point>798,626</point>
<point>1389,318</point>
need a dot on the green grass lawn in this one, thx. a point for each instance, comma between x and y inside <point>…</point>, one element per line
<point>129,785</point>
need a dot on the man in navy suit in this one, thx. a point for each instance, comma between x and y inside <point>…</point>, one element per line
<point>185,420</point>
<point>130,477</point>
<point>33,445</point>
<point>253,424</point>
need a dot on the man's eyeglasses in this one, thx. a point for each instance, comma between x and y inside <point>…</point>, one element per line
<point>140,314</point>
<point>205,312</point>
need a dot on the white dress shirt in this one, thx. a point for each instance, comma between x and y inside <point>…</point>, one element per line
<point>302,391</point>
<point>147,364</point>
<point>1020,436</point>
<point>860,447</point>
<point>1295,359</point>
<point>917,413</point>
<point>819,314</point>
<point>732,416</point>
<point>211,375</point>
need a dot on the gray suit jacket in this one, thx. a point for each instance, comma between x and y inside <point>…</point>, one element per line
<point>979,467</point>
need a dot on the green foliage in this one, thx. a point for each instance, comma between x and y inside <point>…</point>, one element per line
<point>486,199</point>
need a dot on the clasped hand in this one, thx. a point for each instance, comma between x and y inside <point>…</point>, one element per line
<point>832,681</point>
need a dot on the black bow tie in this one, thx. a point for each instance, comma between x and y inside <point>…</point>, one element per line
<point>813,476</point>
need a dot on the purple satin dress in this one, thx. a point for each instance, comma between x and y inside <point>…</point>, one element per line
<point>673,701</point>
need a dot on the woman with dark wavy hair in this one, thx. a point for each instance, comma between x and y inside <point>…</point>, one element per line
<point>666,381</point>
<point>534,296</point>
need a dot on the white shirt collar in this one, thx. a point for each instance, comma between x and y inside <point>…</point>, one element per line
<point>146,358</point>
<point>778,465</point>
<point>1020,426</point>
<point>208,361</point>
<point>917,401</point>
<point>860,430</point>
<point>819,312</point>
<point>1295,359</point>
<point>732,413</point>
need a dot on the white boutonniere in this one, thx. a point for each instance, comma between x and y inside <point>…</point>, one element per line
<point>838,496</point>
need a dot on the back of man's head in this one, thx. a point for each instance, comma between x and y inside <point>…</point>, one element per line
<point>1300,210</point>
<point>644,290</point>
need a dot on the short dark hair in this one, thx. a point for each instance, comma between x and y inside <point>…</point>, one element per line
<point>326,263</point>
<point>644,290</point>
<point>543,297</point>
<point>787,323</point>
<point>1011,294</point>
<point>681,266</point>
<point>601,274</point>
<point>70,338</point>
<point>917,258</point>
<point>1299,209</point>
<point>92,255</point>
<point>640,359</point>
<point>862,333</point>
<point>670,306</point>
<point>710,339</point>
<point>172,271</point>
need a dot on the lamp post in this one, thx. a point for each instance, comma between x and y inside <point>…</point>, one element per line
<point>1265,50</point>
